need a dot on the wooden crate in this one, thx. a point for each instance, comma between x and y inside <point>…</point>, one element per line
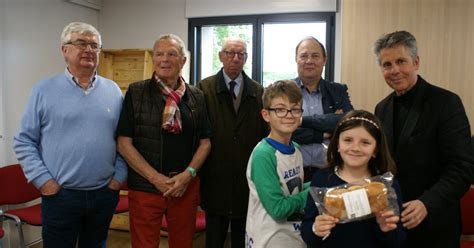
<point>126,66</point>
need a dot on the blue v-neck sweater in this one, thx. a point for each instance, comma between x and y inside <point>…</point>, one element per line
<point>68,134</point>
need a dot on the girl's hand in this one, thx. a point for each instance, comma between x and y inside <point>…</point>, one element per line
<point>387,220</point>
<point>323,224</point>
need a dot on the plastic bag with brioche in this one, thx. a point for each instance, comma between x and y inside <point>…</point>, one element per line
<point>358,200</point>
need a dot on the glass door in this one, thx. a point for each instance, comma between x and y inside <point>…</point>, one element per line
<point>212,38</point>
<point>279,44</point>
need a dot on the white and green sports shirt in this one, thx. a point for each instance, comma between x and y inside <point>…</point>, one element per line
<point>276,193</point>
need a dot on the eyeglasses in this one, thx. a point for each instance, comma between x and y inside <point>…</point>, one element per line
<point>81,44</point>
<point>231,54</point>
<point>283,112</point>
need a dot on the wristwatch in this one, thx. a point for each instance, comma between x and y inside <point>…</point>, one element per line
<point>192,170</point>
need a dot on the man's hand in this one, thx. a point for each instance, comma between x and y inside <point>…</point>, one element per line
<point>413,214</point>
<point>327,135</point>
<point>114,185</point>
<point>50,187</point>
<point>159,181</point>
<point>179,184</point>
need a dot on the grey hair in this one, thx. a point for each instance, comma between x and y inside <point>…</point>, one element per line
<point>310,38</point>
<point>181,46</point>
<point>394,39</point>
<point>228,39</point>
<point>80,28</point>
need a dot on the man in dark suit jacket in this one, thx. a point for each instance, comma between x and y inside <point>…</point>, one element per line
<point>324,104</point>
<point>429,136</point>
<point>234,102</point>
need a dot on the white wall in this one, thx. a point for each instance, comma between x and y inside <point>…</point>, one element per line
<point>29,51</point>
<point>138,23</point>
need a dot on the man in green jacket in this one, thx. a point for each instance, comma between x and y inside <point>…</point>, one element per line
<point>234,102</point>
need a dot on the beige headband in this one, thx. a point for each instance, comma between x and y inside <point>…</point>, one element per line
<point>362,119</point>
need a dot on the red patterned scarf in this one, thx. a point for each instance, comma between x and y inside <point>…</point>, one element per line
<point>171,114</point>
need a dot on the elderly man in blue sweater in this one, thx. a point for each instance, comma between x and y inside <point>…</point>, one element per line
<point>67,148</point>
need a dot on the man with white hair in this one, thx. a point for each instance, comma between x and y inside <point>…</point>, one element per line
<point>66,145</point>
<point>233,102</point>
<point>164,135</point>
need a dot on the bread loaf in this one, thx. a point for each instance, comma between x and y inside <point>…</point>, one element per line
<point>376,194</point>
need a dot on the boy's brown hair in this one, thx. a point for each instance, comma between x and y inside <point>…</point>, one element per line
<point>281,88</point>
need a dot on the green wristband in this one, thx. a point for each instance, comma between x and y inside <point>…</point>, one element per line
<point>192,170</point>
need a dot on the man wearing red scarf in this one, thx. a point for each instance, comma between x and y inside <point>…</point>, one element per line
<point>163,134</point>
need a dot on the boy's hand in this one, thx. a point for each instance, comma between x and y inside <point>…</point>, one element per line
<point>323,224</point>
<point>387,220</point>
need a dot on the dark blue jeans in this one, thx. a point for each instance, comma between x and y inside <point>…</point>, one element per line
<point>77,216</point>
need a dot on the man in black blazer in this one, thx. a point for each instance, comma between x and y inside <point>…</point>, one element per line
<point>429,136</point>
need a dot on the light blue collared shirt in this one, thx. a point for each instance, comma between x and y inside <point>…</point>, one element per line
<point>313,154</point>
<point>238,82</point>
<point>76,83</point>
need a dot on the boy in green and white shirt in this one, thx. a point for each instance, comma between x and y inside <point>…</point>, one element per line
<point>275,173</point>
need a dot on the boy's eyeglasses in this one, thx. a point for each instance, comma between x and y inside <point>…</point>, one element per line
<point>283,112</point>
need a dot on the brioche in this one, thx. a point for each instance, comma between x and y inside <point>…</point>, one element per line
<point>334,203</point>
<point>376,194</point>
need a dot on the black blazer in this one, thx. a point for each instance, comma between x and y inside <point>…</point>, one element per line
<point>434,160</point>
